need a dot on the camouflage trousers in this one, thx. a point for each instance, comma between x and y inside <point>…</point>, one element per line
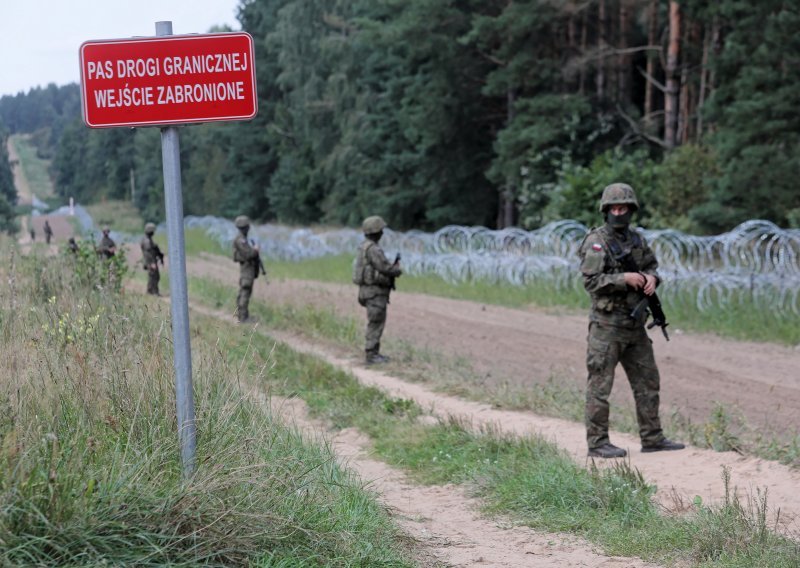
<point>608,346</point>
<point>153,276</point>
<point>376,321</point>
<point>243,299</point>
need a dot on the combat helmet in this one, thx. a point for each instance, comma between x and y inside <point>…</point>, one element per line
<point>373,224</point>
<point>150,228</point>
<point>242,221</point>
<point>618,194</point>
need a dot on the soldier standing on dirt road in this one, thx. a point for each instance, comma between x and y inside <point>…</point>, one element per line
<point>614,335</point>
<point>249,259</point>
<point>48,231</point>
<point>151,255</point>
<point>375,277</point>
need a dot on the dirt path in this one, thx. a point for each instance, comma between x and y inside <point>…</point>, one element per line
<point>538,344</point>
<point>443,520</point>
<point>526,347</point>
<point>20,181</point>
<point>62,228</point>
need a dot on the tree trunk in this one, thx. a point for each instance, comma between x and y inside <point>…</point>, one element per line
<point>600,76</point>
<point>652,36</point>
<point>682,132</point>
<point>701,96</point>
<point>671,94</point>
<point>624,59</point>
<point>507,208</point>
<point>584,39</point>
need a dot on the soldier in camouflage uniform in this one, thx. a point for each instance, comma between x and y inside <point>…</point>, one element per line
<point>48,231</point>
<point>375,277</point>
<point>614,335</point>
<point>248,256</point>
<point>151,255</point>
<point>107,247</point>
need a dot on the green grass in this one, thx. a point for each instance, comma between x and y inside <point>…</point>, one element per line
<point>89,469</point>
<point>35,168</point>
<point>119,215</point>
<point>528,479</point>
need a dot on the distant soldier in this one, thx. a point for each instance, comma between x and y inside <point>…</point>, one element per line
<point>151,256</point>
<point>33,233</point>
<point>375,277</point>
<point>616,328</point>
<point>48,232</point>
<point>247,254</point>
<point>72,246</point>
<point>107,247</point>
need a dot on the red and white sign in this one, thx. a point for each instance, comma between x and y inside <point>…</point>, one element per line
<point>168,80</point>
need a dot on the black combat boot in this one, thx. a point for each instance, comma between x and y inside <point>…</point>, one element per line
<point>663,446</point>
<point>607,451</point>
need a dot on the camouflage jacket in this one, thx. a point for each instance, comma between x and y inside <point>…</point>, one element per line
<point>151,253</point>
<point>373,273</point>
<point>612,299</point>
<point>106,246</point>
<point>247,257</point>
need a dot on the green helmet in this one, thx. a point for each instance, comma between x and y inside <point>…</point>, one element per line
<point>373,225</point>
<point>150,228</point>
<point>242,221</point>
<point>618,194</point>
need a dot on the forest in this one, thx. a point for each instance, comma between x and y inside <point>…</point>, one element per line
<point>474,112</point>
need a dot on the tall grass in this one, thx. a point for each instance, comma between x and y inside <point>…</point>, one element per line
<point>89,468</point>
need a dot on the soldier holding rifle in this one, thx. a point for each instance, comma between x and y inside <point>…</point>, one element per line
<point>375,277</point>
<point>620,271</point>
<point>247,254</point>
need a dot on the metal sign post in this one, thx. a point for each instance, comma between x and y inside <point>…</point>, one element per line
<point>179,294</point>
<point>166,81</point>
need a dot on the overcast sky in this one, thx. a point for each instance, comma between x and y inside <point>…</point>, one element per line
<point>40,39</point>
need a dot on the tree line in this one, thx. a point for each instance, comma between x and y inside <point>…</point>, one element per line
<point>489,112</point>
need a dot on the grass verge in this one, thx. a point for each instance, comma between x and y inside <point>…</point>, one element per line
<point>89,469</point>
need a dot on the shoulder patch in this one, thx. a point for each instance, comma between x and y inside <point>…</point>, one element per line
<point>597,247</point>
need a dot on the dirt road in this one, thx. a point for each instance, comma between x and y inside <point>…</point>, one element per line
<point>762,379</point>
<point>526,347</point>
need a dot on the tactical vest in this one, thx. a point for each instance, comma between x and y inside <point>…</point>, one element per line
<point>616,307</point>
<point>364,274</point>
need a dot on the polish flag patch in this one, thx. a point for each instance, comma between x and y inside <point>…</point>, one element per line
<point>597,247</point>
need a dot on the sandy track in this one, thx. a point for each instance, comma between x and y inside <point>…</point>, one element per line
<point>444,519</point>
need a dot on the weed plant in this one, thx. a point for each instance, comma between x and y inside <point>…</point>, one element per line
<point>89,457</point>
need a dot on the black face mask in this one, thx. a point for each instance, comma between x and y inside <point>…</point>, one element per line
<point>244,230</point>
<point>619,222</point>
<point>376,236</point>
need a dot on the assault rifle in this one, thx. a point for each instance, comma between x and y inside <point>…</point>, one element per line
<point>260,262</point>
<point>396,261</point>
<point>650,302</point>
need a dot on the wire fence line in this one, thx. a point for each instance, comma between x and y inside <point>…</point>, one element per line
<point>757,262</point>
